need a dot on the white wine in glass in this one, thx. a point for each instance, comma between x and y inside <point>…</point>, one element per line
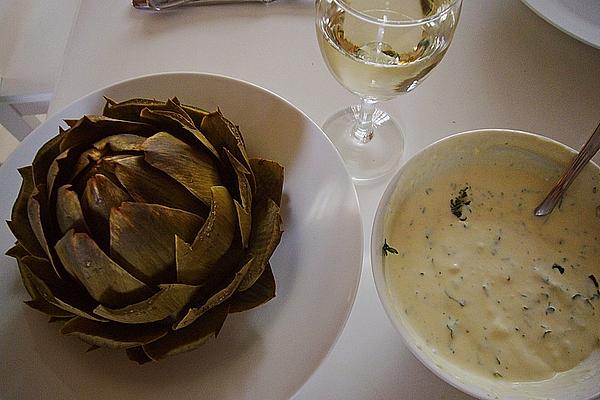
<point>378,49</point>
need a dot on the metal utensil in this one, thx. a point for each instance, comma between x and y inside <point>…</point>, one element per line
<point>586,153</point>
<point>159,5</point>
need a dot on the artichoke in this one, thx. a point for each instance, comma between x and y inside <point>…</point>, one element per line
<point>142,228</point>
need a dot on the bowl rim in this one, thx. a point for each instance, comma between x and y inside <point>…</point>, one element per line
<point>471,389</point>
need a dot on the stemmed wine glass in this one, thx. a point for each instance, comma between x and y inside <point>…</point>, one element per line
<point>378,49</point>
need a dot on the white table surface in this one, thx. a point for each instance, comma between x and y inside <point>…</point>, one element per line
<point>506,68</point>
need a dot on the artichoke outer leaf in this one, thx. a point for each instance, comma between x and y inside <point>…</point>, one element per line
<point>74,304</point>
<point>245,223</point>
<point>265,237</point>
<point>37,216</point>
<point>44,158</point>
<point>104,280</point>
<point>120,143</point>
<point>20,225</point>
<point>129,109</point>
<point>29,282</point>
<point>111,334</point>
<point>61,169</point>
<point>92,128</point>
<point>224,134</point>
<point>146,184</point>
<point>194,336</point>
<point>243,184</point>
<point>17,251</point>
<point>269,180</point>
<point>194,261</point>
<point>175,125</point>
<point>245,192</point>
<point>143,236</point>
<point>178,118</point>
<point>261,292</point>
<point>174,106</point>
<point>196,114</point>
<point>48,309</point>
<point>170,300</point>
<point>194,169</point>
<point>69,214</point>
<point>92,347</point>
<point>216,299</point>
<point>138,355</point>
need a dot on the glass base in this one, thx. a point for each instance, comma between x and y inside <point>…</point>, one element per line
<point>371,160</point>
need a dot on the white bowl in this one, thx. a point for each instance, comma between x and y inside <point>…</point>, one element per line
<point>581,382</point>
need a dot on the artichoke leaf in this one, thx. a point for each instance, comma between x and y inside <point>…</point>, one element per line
<point>223,134</point>
<point>120,143</point>
<point>244,222</point>
<point>195,113</point>
<point>181,125</point>
<point>194,169</point>
<point>26,277</point>
<point>245,192</point>
<point>146,184</point>
<point>243,184</point>
<point>262,291</point>
<point>169,301</point>
<point>92,128</point>
<point>17,251</point>
<point>138,355</point>
<point>37,218</point>
<point>178,119</point>
<point>99,197</point>
<point>194,261</point>
<point>50,290</point>
<point>173,106</point>
<point>61,169</point>
<point>45,156</point>
<point>195,335</point>
<point>265,237</point>
<point>104,279</point>
<point>219,297</point>
<point>92,347</point>
<point>143,236</point>
<point>86,158</point>
<point>269,180</point>
<point>112,335</point>
<point>68,211</point>
<point>20,225</point>
<point>48,309</point>
<point>129,109</point>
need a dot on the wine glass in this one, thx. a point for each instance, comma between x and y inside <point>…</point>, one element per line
<point>378,49</point>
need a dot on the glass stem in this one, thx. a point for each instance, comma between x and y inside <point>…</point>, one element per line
<point>362,131</point>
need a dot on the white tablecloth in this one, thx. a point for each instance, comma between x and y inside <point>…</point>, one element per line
<point>506,68</point>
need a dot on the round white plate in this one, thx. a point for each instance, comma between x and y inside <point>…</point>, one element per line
<point>578,18</point>
<point>265,353</point>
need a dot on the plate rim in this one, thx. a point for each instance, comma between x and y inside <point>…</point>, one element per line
<point>540,9</point>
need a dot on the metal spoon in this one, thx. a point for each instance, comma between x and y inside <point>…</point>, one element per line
<point>589,149</point>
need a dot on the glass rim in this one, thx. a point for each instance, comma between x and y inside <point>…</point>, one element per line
<point>384,22</point>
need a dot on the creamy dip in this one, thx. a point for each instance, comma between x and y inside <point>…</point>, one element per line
<point>484,283</point>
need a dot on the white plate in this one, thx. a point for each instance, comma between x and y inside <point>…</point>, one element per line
<point>266,353</point>
<point>578,18</point>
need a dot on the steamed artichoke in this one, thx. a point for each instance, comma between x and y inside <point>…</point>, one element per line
<point>144,227</point>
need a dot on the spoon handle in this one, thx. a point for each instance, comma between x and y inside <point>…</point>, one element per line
<point>586,153</point>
